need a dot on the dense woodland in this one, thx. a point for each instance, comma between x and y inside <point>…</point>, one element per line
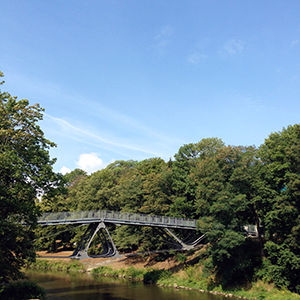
<point>224,187</point>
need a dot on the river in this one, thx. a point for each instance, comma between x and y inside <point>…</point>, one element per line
<point>81,286</point>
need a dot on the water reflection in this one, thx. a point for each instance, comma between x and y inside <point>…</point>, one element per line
<point>62,286</point>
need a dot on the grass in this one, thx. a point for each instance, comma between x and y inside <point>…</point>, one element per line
<point>130,273</point>
<point>65,266</point>
<point>191,277</point>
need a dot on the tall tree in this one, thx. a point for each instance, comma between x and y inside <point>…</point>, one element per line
<point>25,171</point>
<point>279,202</point>
<point>224,205</point>
<point>186,160</point>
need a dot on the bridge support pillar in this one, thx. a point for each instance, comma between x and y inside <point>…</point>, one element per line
<point>109,248</point>
<point>187,244</point>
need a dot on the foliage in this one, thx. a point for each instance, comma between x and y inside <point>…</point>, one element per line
<point>60,265</point>
<point>181,258</point>
<point>224,205</point>
<point>130,273</point>
<point>278,198</point>
<point>185,160</point>
<point>224,187</point>
<point>23,290</point>
<point>25,172</point>
<point>153,276</point>
<point>74,177</point>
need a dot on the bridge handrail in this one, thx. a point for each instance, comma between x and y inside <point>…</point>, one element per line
<point>115,215</point>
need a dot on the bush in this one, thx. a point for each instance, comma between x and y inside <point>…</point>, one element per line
<point>181,258</point>
<point>134,273</point>
<point>23,290</point>
<point>101,270</point>
<point>154,275</point>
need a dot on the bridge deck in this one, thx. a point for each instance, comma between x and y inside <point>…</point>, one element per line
<point>87,217</point>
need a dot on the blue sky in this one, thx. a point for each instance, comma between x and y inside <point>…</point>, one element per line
<point>138,79</point>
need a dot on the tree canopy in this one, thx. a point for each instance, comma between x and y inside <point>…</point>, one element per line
<point>279,202</point>
<point>25,173</point>
<point>225,187</point>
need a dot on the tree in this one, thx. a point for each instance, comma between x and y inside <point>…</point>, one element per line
<point>25,171</point>
<point>279,202</point>
<point>74,177</point>
<point>224,205</point>
<point>185,161</point>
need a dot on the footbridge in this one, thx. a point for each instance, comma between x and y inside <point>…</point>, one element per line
<point>96,221</point>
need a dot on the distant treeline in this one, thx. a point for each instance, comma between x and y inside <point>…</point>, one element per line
<point>224,187</point>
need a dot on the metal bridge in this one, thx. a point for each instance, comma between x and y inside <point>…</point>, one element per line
<point>115,217</point>
<point>97,219</point>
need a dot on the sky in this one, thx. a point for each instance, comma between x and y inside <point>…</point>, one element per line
<point>132,80</point>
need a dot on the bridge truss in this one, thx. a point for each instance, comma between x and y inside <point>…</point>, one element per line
<point>97,219</point>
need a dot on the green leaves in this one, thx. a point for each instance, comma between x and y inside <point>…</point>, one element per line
<point>224,187</point>
<point>224,204</point>
<point>284,266</point>
<point>25,171</point>
<point>279,192</point>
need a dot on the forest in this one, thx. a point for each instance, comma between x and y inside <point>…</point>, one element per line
<point>224,187</point>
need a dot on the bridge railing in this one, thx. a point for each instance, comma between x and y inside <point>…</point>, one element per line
<point>115,216</point>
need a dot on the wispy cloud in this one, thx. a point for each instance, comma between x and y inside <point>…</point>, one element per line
<point>85,136</point>
<point>196,58</point>
<point>233,47</point>
<point>86,106</point>
<point>97,125</point>
<point>122,120</point>
<point>163,39</point>
<point>199,53</point>
<point>249,102</point>
<point>294,43</point>
<point>164,33</point>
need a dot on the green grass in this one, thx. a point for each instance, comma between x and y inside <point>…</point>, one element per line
<point>66,266</point>
<point>192,277</point>
<point>130,273</point>
<point>189,277</point>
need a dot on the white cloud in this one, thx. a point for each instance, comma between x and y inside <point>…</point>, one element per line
<point>233,47</point>
<point>90,162</point>
<point>162,40</point>
<point>196,58</point>
<point>165,32</point>
<point>64,170</point>
<point>294,42</point>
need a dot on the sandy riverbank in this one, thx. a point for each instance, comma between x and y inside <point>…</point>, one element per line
<point>137,261</point>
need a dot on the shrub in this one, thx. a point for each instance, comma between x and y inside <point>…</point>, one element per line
<point>23,290</point>
<point>181,258</point>
<point>154,275</point>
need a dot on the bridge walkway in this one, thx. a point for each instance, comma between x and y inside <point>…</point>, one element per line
<point>115,217</point>
<point>97,220</point>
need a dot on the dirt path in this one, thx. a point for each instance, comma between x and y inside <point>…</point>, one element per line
<point>137,261</point>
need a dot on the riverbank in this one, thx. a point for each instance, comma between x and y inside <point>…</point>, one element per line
<point>178,271</point>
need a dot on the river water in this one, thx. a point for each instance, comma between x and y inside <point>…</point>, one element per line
<point>65,286</point>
